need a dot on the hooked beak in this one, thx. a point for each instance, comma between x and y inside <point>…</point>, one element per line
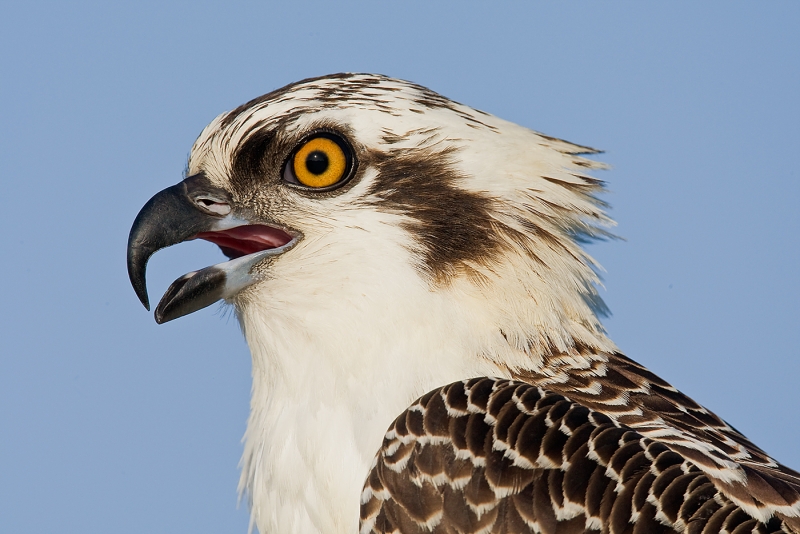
<point>195,209</point>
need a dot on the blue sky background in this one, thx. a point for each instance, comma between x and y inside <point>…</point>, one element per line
<point>111,423</point>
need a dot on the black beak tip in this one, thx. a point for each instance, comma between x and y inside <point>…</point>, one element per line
<point>141,292</point>
<point>136,274</point>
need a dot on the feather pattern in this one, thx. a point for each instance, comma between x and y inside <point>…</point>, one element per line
<point>502,456</point>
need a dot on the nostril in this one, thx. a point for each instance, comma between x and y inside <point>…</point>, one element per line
<point>213,206</point>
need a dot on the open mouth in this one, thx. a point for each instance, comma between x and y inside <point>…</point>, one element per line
<point>246,246</point>
<point>248,239</point>
<point>196,209</point>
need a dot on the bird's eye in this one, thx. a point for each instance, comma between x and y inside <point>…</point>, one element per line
<point>323,161</point>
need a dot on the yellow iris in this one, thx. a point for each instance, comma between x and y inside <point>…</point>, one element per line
<point>320,162</point>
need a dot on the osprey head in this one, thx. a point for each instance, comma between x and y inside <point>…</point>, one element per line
<point>363,178</point>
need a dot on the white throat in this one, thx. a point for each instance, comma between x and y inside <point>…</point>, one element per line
<point>330,373</point>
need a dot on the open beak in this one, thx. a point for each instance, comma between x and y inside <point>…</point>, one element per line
<point>195,209</point>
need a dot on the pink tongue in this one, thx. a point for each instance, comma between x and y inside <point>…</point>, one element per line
<point>243,240</point>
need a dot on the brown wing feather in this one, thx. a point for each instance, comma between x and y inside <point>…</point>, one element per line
<point>636,398</point>
<point>499,456</point>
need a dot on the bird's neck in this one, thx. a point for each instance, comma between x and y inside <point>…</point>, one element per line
<point>329,378</point>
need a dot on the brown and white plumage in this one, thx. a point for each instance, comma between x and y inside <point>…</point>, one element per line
<point>448,251</point>
<point>489,455</point>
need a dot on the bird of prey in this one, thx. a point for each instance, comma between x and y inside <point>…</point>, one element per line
<point>393,252</point>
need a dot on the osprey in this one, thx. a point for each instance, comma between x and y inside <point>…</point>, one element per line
<point>387,244</point>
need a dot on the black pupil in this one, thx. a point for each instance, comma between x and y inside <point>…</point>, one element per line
<point>317,162</point>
